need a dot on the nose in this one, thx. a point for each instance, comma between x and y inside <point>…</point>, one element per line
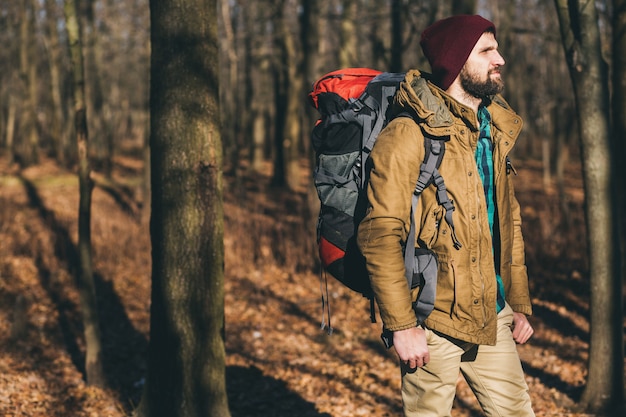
<point>499,60</point>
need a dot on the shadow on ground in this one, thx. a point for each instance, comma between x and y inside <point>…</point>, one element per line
<point>252,394</point>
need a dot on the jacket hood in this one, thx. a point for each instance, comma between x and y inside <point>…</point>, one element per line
<point>425,102</point>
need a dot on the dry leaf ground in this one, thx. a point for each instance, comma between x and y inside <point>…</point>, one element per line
<point>279,361</point>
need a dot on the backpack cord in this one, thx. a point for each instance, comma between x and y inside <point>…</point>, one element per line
<point>325,302</point>
<point>372,310</point>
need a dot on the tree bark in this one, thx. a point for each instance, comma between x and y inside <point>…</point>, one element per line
<point>581,41</point>
<point>186,361</point>
<point>86,286</point>
<point>619,120</point>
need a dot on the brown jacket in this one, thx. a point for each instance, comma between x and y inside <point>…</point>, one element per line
<point>465,306</point>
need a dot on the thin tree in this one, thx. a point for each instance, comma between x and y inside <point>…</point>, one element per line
<point>93,86</point>
<point>293,122</point>
<point>581,40</point>
<point>348,35</point>
<point>231,88</point>
<point>29,154</point>
<point>258,65</point>
<point>86,287</point>
<point>57,130</point>
<point>398,13</point>
<point>463,7</point>
<point>288,102</point>
<point>186,360</point>
<point>280,82</point>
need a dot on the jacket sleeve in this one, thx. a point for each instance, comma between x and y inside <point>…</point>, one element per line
<point>519,298</point>
<point>395,164</point>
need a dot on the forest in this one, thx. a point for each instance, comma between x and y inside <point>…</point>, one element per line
<point>105,307</point>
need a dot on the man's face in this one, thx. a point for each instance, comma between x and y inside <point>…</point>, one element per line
<point>480,76</point>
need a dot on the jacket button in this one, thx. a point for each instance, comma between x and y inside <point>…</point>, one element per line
<point>473,217</point>
<point>469,173</point>
<point>476,301</point>
<point>473,259</point>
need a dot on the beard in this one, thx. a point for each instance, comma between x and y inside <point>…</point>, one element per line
<point>482,89</point>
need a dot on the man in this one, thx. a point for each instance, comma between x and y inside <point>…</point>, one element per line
<point>482,297</point>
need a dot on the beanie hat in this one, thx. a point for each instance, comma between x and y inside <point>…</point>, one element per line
<point>448,43</point>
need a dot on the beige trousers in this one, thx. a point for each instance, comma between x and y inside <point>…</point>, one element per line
<point>494,373</point>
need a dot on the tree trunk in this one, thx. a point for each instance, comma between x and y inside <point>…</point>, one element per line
<point>57,130</point>
<point>94,92</point>
<point>288,102</point>
<point>146,189</point>
<point>28,148</point>
<point>10,129</point>
<point>619,120</point>
<point>281,97</point>
<point>256,74</point>
<point>293,121</point>
<point>309,34</point>
<point>348,35</point>
<point>581,41</point>
<point>87,292</point>
<point>186,361</point>
<point>309,37</point>
<point>230,92</point>
<point>397,30</point>
<point>463,7</point>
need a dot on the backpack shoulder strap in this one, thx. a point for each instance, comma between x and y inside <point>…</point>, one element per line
<point>429,174</point>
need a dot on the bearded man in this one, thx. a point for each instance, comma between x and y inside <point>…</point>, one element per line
<point>482,299</point>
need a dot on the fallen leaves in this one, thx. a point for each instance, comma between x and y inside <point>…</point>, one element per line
<point>279,361</point>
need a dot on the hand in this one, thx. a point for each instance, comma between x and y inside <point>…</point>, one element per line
<point>411,347</point>
<point>522,330</point>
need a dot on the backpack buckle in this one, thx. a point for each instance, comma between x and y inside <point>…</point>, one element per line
<point>356,104</point>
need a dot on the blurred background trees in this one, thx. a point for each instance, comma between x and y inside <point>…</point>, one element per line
<point>35,85</point>
<point>271,53</point>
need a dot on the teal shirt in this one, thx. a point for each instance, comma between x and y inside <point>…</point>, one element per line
<point>484,162</point>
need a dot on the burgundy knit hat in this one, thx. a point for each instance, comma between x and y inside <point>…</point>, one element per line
<point>448,43</point>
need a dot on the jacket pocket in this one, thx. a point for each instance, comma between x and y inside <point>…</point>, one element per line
<point>446,284</point>
<point>430,224</point>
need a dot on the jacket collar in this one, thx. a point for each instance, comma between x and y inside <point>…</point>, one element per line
<point>437,110</point>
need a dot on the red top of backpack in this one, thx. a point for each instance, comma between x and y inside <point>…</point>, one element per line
<point>346,83</point>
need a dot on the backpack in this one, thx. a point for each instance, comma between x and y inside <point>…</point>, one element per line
<point>354,105</point>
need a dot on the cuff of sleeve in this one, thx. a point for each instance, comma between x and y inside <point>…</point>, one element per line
<point>522,308</point>
<point>403,326</point>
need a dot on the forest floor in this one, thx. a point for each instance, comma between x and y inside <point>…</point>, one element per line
<point>279,361</point>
